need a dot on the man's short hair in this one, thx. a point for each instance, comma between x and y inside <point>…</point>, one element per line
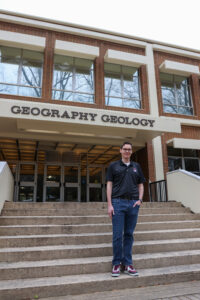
<point>126,143</point>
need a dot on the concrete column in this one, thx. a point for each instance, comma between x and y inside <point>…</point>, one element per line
<point>158,158</point>
<point>6,184</point>
<point>151,79</point>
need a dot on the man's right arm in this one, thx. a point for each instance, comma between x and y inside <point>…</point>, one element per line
<point>109,194</point>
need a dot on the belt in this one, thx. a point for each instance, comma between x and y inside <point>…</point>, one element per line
<point>126,198</point>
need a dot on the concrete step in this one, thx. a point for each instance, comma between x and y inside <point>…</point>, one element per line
<point>54,229</point>
<point>72,220</point>
<point>59,220</point>
<point>168,225</point>
<point>35,253</point>
<point>93,238</point>
<point>90,228</point>
<point>53,212</point>
<point>79,205</point>
<point>177,291</point>
<point>86,211</point>
<point>80,284</point>
<point>76,266</point>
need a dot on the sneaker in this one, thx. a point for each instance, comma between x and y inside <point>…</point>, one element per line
<point>116,271</point>
<point>130,271</point>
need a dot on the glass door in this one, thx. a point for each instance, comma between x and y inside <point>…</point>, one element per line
<point>96,183</point>
<point>52,191</point>
<point>72,182</point>
<point>26,183</point>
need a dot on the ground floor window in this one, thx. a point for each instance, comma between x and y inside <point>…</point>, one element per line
<point>186,159</point>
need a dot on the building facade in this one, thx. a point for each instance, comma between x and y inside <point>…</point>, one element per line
<point>71,95</point>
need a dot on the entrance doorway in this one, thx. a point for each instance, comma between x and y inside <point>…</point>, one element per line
<point>58,171</point>
<point>61,183</point>
<point>96,183</point>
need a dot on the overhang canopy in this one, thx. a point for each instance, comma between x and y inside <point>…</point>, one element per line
<point>124,58</point>
<point>184,143</point>
<point>49,121</point>
<point>24,41</point>
<point>177,68</point>
<point>76,49</point>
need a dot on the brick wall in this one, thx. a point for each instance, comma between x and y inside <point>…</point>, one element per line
<point>51,36</point>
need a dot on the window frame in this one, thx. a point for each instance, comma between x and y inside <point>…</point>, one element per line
<point>19,63</point>
<point>74,79</point>
<point>121,97</point>
<point>183,157</point>
<point>176,98</point>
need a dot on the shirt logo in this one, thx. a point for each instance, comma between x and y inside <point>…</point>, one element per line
<point>134,170</point>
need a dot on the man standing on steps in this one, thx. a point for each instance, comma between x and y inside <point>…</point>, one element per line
<point>125,191</point>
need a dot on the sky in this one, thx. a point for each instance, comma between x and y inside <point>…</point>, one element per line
<point>175,22</point>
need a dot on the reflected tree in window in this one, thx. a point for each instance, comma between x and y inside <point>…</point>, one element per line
<point>176,94</point>
<point>122,86</point>
<point>20,72</point>
<point>73,79</point>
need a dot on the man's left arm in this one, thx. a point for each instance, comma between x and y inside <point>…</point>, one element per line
<point>141,190</point>
<point>141,193</point>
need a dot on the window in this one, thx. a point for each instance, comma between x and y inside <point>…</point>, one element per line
<point>176,95</point>
<point>73,79</point>
<point>187,159</point>
<point>20,72</point>
<point>122,86</point>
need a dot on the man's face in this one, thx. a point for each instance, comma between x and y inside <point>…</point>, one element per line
<point>126,151</point>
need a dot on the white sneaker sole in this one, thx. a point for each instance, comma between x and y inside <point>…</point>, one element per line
<point>115,275</point>
<point>135,275</point>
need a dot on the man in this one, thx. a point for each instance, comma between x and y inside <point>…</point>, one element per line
<point>125,191</point>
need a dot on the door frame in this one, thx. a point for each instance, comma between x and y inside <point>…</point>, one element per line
<point>62,184</point>
<point>19,183</point>
<point>101,185</point>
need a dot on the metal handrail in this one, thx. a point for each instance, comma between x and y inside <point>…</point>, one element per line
<point>158,191</point>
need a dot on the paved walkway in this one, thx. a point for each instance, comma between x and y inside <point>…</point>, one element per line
<point>177,291</point>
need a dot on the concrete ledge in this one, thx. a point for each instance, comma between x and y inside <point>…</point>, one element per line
<point>76,49</point>
<point>184,143</point>
<point>26,41</point>
<point>123,58</point>
<point>177,68</point>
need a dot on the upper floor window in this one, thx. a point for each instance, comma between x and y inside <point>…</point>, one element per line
<point>122,86</point>
<point>176,94</point>
<point>73,79</point>
<point>20,72</point>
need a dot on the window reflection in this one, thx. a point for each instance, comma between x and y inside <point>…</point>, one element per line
<point>176,94</point>
<point>122,87</point>
<point>187,159</point>
<point>73,79</point>
<point>20,72</point>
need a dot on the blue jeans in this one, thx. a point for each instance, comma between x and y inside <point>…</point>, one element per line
<point>124,221</point>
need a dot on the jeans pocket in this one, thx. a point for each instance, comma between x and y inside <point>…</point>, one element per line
<point>115,201</point>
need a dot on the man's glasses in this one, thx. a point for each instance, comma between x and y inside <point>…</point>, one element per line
<point>127,149</point>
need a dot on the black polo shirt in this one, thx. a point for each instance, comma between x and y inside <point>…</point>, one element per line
<point>125,179</point>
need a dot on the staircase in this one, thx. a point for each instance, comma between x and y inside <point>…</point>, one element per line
<point>55,249</point>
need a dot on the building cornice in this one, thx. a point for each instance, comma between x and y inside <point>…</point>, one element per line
<point>61,26</point>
